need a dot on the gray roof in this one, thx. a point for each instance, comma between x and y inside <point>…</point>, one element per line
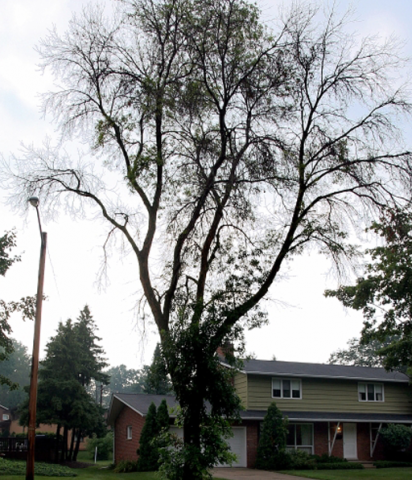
<point>139,402</point>
<point>331,417</point>
<point>321,370</point>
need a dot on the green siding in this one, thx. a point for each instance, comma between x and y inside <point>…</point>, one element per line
<point>329,395</point>
<point>241,388</point>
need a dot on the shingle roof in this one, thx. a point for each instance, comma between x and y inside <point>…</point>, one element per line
<point>139,402</point>
<point>321,370</point>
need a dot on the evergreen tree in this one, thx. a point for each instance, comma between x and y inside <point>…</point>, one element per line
<point>272,442</point>
<point>148,451</point>
<point>162,416</point>
<point>157,380</point>
<point>66,370</point>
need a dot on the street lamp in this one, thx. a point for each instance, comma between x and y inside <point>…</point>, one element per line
<point>31,436</point>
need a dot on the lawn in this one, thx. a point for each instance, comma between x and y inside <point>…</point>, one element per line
<point>367,474</point>
<point>95,472</point>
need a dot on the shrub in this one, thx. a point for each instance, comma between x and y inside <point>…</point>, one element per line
<point>125,466</point>
<point>104,446</point>
<point>396,438</point>
<point>325,458</point>
<point>300,460</point>
<point>17,467</point>
<point>271,454</point>
<point>389,464</point>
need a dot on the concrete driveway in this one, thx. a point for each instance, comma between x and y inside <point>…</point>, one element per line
<point>248,474</point>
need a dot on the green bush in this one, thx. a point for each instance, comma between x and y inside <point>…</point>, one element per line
<point>325,458</point>
<point>396,438</point>
<point>104,446</point>
<point>389,464</point>
<point>271,454</point>
<point>125,466</point>
<point>300,460</point>
<point>18,467</point>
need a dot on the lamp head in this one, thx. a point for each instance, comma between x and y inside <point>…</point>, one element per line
<point>34,201</point>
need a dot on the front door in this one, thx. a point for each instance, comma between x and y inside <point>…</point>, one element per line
<point>350,450</point>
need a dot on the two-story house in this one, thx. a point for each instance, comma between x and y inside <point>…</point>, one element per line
<point>333,409</point>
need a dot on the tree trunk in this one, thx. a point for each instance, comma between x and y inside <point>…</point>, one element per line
<point>64,446</point>
<point>57,444</point>
<point>70,457</point>
<point>76,450</point>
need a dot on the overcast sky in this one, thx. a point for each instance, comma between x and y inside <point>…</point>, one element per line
<point>304,326</point>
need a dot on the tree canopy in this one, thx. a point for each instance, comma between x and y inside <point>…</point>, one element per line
<point>384,293</point>
<point>233,149</point>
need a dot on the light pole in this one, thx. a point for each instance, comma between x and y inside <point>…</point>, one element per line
<point>31,436</point>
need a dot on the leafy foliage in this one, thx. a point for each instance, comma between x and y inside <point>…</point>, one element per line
<point>360,353</point>
<point>271,454</point>
<point>16,367</point>
<point>104,446</point>
<point>396,437</point>
<point>384,294</point>
<point>26,305</point>
<point>17,467</point>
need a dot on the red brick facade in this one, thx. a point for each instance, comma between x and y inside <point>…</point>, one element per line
<point>125,449</point>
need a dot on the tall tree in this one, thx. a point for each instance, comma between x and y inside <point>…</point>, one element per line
<point>157,380</point>
<point>237,148</point>
<point>16,367</point>
<point>384,294</point>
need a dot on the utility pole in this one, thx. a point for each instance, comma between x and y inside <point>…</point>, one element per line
<point>31,435</point>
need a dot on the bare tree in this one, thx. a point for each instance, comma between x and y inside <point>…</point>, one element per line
<point>236,147</point>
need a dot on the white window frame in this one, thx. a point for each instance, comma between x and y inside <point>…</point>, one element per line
<point>281,380</point>
<point>365,387</point>
<point>6,417</point>
<point>302,447</point>
<point>129,433</point>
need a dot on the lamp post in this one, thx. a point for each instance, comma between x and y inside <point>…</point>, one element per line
<point>34,201</point>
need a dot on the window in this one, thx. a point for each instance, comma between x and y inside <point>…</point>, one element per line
<point>286,388</point>
<point>300,437</point>
<point>6,416</point>
<point>129,432</point>
<point>370,392</point>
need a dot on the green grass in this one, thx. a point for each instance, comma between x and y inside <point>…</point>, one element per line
<point>367,474</point>
<point>96,472</point>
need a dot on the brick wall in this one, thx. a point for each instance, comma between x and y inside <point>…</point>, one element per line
<point>252,441</point>
<point>126,449</point>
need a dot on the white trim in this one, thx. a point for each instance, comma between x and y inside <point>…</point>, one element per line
<point>129,432</point>
<point>373,443</point>
<point>295,446</point>
<point>366,392</point>
<point>281,379</point>
<point>306,375</point>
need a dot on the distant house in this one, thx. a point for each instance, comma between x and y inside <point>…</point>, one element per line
<point>334,409</point>
<point>5,419</point>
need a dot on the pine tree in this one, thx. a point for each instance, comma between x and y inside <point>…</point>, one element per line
<point>148,451</point>
<point>272,442</point>
<point>157,381</point>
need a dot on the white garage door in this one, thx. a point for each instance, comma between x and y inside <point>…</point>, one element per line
<point>237,444</point>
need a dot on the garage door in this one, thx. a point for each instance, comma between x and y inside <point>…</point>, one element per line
<point>237,444</point>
